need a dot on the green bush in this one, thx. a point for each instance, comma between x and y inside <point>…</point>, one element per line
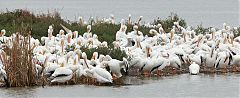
<point>114,53</point>
<point>201,30</point>
<point>168,22</point>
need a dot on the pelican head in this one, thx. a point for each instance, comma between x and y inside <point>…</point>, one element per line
<point>75,34</point>
<point>108,58</point>
<point>140,18</point>
<point>89,28</point>
<point>129,15</point>
<point>224,25</point>
<point>135,27</point>
<point>122,22</point>
<point>95,36</point>
<point>153,31</point>
<point>84,55</point>
<point>50,29</point>
<point>95,55</point>
<point>80,18</point>
<point>62,42</point>
<point>3,31</point>
<point>112,16</point>
<point>61,32</point>
<point>159,25</point>
<point>101,57</point>
<point>123,28</point>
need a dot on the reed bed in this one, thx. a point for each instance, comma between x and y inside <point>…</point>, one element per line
<point>17,60</point>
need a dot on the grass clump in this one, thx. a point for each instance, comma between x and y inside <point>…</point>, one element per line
<point>17,60</point>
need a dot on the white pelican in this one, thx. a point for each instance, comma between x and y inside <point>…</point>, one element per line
<point>194,68</point>
<point>88,34</point>
<point>39,69</point>
<point>160,63</point>
<point>211,58</point>
<point>222,60</point>
<point>100,74</point>
<point>62,74</point>
<point>115,66</point>
<point>3,75</point>
<point>94,59</point>
<point>49,67</point>
<point>86,63</point>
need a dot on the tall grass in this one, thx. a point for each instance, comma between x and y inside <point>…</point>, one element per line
<point>18,62</point>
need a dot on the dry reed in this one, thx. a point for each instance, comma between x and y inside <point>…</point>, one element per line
<point>18,62</point>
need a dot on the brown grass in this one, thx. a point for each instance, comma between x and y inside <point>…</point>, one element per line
<point>18,61</point>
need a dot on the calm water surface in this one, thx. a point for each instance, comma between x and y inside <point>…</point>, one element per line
<point>183,86</point>
<point>195,12</point>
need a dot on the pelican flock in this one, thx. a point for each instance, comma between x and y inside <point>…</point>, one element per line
<point>179,49</point>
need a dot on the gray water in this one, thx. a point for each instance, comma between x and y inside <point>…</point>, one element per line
<point>206,12</point>
<point>183,86</point>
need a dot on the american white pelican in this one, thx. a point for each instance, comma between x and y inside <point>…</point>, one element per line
<point>49,67</point>
<point>3,75</point>
<point>61,74</point>
<point>86,63</point>
<point>160,63</point>
<point>222,60</point>
<point>39,69</point>
<point>211,57</point>
<point>194,68</point>
<point>88,34</point>
<point>100,74</point>
<point>116,65</point>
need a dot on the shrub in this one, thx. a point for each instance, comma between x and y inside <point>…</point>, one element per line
<point>168,22</point>
<point>201,30</point>
<point>114,53</point>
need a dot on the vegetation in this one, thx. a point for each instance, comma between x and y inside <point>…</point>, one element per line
<point>168,22</point>
<point>114,53</point>
<point>201,30</point>
<point>18,61</point>
<point>15,20</point>
<point>12,22</point>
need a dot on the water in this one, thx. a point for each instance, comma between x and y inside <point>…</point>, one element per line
<point>195,12</point>
<point>183,86</point>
